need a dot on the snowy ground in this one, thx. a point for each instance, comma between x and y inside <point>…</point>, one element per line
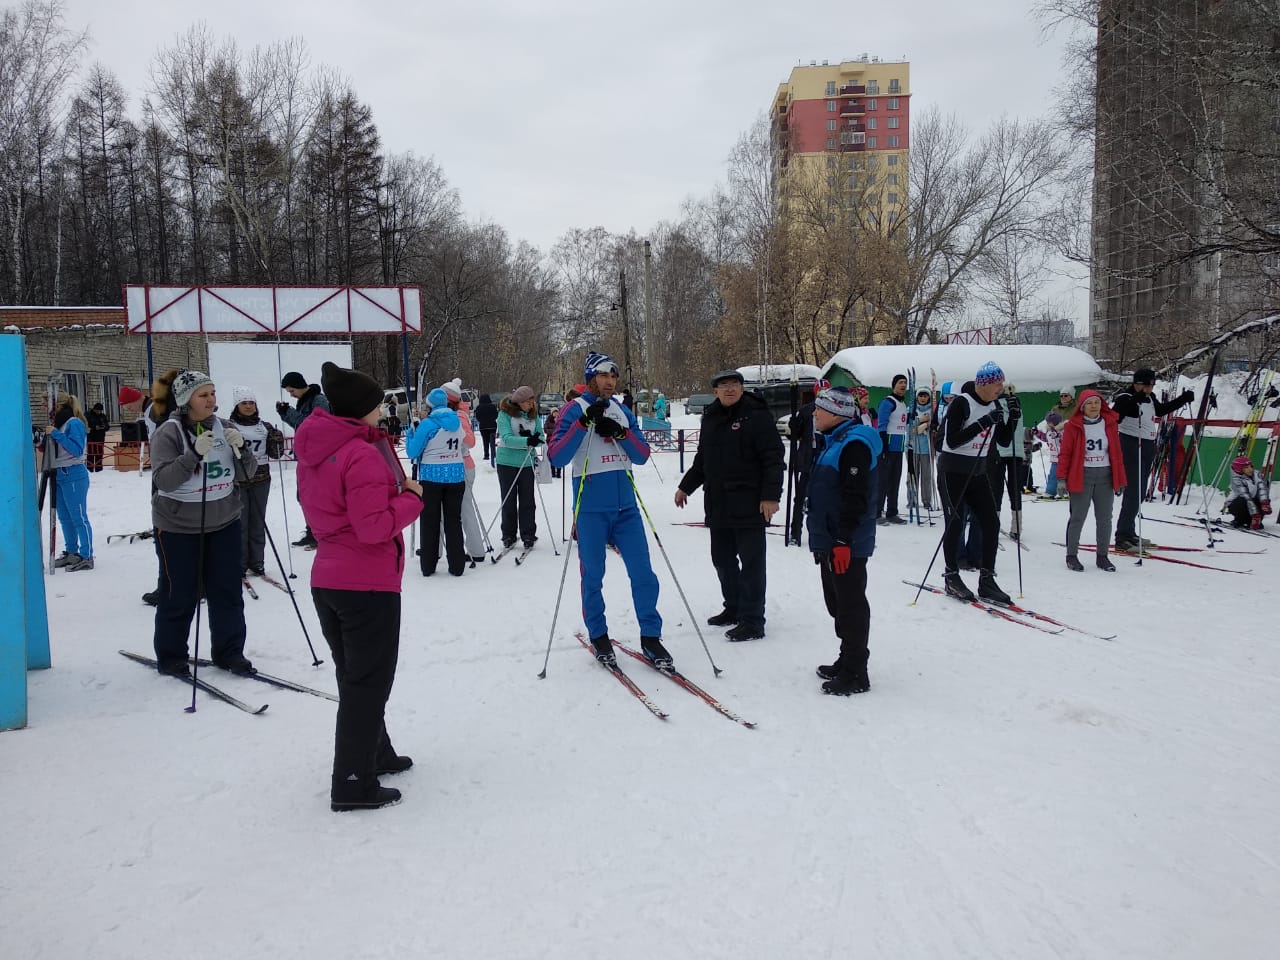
<point>1000,793</point>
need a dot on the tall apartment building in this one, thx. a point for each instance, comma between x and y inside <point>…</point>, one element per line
<point>1169,130</point>
<point>851,119</point>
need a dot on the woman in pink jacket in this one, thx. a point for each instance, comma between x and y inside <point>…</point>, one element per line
<point>357,500</point>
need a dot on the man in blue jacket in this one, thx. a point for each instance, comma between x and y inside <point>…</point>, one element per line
<point>602,439</point>
<point>842,531</point>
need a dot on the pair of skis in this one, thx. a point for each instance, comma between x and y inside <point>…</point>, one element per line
<point>219,694</point>
<point>1148,554</point>
<point>1014,612</point>
<point>670,673</point>
<point>520,557</point>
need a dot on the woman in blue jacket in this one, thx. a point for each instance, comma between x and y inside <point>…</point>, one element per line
<point>70,439</point>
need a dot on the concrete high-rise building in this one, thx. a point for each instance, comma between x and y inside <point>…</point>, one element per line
<point>851,119</point>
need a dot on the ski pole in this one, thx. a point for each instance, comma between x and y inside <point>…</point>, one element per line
<point>546,513</point>
<point>1138,563</point>
<point>204,499</point>
<point>284,509</point>
<point>568,552</point>
<point>679,589</point>
<point>510,490</point>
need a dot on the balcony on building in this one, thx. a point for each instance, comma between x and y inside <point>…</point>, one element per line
<point>853,90</point>
<point>852,147</point>
<point>853,108</point>
<point>853,126</point>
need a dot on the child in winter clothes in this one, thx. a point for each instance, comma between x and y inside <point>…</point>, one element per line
<point>266,441</point>
<point>1051,436</point>
<point>519,435</point>
<point>1093,468</point>
<point>435,444</point>
<point>70,438</point>
<point>921,462</point>
<point>357,500</point>
<point>1249,498</point>
<point>842,531</point>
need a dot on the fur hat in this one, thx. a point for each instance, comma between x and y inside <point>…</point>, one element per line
<point>186,383</point>
<point>437,398</point>
<point>988,374</point>
<point>241,395</point>
<point>350,392</point>
<point>837,400</point>
<point>522,393</point>
<point>598,363</point>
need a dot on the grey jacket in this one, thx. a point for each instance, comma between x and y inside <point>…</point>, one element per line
<point>173,463</point>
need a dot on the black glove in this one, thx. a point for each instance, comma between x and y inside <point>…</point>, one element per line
<point>1015,408</point>
<point>281,407</point>
<point>610,428</point>
<point>990,420</point>
<point>523,431</point>
<point>1186,396</point>
<point>535,439</point>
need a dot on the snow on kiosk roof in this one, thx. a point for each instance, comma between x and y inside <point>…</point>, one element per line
<point>779,372</point>
<point>1031,368</point>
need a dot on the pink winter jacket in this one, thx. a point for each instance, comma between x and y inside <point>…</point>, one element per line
<point>349,486</point>
<point>468,435</point>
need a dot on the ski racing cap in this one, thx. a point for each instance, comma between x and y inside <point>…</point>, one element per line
<point>988,374</point>
<point>599,363</point>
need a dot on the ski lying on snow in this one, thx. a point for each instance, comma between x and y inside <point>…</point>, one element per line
<point>206,686</point>
<point>994,609</point>
<point>1155,556</point>
<point>1145,550</point>
<point>1023,611</point>
<point>673,674</point>
<point>1219,526</point>
<point>275,681</point>
<point>623,679</point>
<point>140,535</point>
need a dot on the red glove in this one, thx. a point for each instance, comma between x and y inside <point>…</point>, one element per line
<point>840,557</point>
<point>1266,508</point>
<point>1256,522</point>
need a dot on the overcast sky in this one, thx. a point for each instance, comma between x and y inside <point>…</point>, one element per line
<point>553,114</point>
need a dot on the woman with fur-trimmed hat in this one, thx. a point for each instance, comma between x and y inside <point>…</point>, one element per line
<point>358,502</point>
<point>266,441</point>
<point>197,459</point>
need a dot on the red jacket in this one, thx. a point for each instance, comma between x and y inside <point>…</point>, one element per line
<point>1071,458</point>
<point>348,483</point>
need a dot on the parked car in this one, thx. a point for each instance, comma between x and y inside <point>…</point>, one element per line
<point>698,403</point>
<point>549,403</point>
<point>399,399</point>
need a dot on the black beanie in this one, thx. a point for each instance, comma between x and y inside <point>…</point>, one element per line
<point>294,379</point>
<point>350,392</point>
<point>1145,375</point>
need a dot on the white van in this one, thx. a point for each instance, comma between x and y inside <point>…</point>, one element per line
<point>398,398</point>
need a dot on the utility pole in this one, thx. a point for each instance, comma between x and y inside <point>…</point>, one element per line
<point>648,325</point>
<point>626,326</point>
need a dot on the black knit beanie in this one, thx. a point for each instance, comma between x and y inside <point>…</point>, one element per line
<point>350,392</point>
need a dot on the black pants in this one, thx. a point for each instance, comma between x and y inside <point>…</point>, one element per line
<point>1005,473</point>
<point>442,501</point>
<point>801,490</point>
<point>487,436</point>
<point>94,450</point>
<point>973,492</point>
<point>1241,511</point>
<point>253,522</point>
<point>517,504</point>
<point>180,593</point>
<point>737,553</point>
<point>362,628</point>
<point>890,470</point>
<point>846,598</point>
<point>1135,483</point>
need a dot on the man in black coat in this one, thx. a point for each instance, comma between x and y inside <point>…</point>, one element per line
<point>800,428</point>
<point>739,463</point>
<point>487,418</point>
<point>308,398</point>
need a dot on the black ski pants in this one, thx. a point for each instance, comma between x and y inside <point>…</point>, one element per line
<point>846,598</point>
<point>517,504</point>
<point>442,502</point>
<point>1135,483</point>
<point>738,555</point>
<point>180,593</point>
<point>362,628</point>
<point>974,492</point>
<point>801,491</point>
<point>489,435</point>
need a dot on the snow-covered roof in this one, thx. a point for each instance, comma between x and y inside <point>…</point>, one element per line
<point>776,372</point>
<point>1029,368</point>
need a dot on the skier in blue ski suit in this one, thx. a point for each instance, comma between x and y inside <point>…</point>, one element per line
<point>601,438</point>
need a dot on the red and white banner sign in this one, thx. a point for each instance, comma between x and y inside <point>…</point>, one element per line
<point>279,311</point>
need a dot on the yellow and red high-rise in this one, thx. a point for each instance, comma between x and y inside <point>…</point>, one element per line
<point>853,117</point>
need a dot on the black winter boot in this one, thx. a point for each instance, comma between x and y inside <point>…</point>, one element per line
<point>360,793</point>
<point>989,590</point>
<point>1073,563</point>
<point>956,587</point>
<point>1104,563</point>
<point>848,683</point>
<point>653,649</point>
<point>724,618</point>
<point>603,647</point>
<point>744,632</point>
<point>829,671</point>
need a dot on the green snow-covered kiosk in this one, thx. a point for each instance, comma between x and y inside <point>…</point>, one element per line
<point>1038,372</point>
